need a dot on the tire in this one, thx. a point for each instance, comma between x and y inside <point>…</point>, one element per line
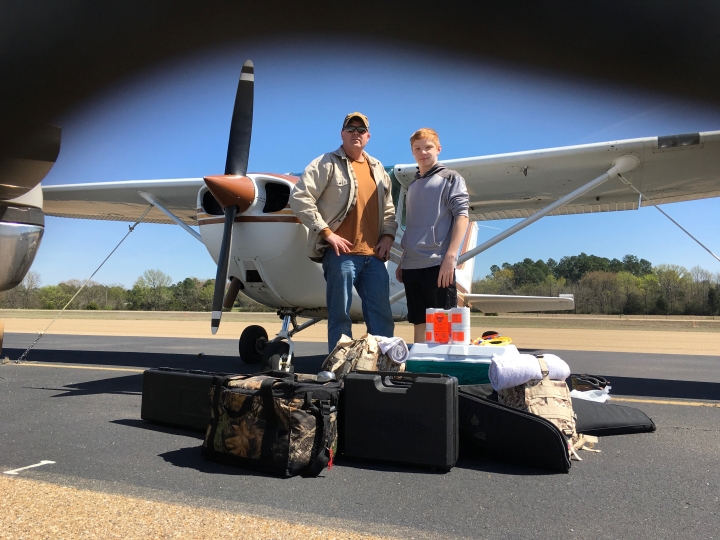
<point>252,342</point>
<point>274,354</point>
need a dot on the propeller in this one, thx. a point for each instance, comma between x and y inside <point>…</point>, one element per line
<point>234,191</point>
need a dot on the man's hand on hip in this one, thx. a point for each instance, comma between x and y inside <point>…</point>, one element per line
<point>447,271</point>
<point>338,243</point>
<point>382,249</point>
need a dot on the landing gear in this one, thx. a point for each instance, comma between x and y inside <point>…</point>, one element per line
<point>253,341</point>
<point>277,357</point>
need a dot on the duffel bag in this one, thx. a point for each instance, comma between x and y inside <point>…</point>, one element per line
<point>362,354</point>
<point>275,422</point>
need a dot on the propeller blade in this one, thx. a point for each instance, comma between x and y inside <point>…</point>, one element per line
<point>222,268</point>
<point>241,126</point>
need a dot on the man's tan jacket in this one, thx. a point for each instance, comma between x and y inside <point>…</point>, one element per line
<point>327,192</point>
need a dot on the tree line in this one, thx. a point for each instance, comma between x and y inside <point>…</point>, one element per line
<point>153,291</point>
<point>630,286</point>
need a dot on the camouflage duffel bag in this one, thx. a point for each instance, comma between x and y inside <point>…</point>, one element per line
<point>276,422</point>
<point>362,354</point>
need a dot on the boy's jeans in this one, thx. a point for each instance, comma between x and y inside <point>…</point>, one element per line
<point>370,277</point>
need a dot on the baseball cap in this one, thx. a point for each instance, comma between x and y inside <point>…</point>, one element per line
<point>359,116</point>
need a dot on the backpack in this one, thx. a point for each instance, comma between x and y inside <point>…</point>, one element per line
<point>551,400</point>
<point>362,354</point>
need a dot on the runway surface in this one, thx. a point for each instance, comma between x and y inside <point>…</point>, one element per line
<point>78,404</point>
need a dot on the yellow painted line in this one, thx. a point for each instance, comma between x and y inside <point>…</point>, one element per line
<point>82,367</point>
<point>613,399</point>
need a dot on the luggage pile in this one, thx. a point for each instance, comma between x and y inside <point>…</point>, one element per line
<point>377,401</point>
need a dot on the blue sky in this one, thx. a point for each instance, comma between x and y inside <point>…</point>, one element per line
<point>173,121</point>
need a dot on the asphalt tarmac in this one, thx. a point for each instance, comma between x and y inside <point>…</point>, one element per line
<point>77,403</point>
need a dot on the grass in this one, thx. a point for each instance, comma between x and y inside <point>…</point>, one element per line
<point>564,321</point>
<point>111,315</point>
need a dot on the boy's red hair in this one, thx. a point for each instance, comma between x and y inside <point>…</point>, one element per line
<point>425,133</point>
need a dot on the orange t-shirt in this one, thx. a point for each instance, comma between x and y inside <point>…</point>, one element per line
<point>360,226</point>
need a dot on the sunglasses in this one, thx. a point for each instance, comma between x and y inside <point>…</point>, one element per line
<point>352,129</point>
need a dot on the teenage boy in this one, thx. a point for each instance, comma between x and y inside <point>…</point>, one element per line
<point>436,209</point>
<point>344,198</point>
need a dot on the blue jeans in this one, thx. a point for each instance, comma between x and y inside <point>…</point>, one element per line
<point>370,277</point>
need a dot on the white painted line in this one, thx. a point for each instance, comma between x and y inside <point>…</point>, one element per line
<point>43,462</point>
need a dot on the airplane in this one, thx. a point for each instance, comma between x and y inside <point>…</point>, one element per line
<point>22,221</point>
<point>246,225</point>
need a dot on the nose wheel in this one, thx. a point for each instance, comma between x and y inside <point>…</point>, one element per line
<point>253,342</point>
<point>277,356</point>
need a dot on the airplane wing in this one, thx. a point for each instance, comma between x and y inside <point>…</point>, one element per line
<point>500,303</point>
<point>672,168</point>
<point>120,201</point>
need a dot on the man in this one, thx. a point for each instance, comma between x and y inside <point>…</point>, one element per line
<point>344,199</point>
<point>436,210</point>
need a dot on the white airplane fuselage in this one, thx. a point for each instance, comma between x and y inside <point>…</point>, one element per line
<point>269,252</point>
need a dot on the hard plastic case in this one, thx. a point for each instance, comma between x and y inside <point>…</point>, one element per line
<point>405,418</point>
<point>177,397</point>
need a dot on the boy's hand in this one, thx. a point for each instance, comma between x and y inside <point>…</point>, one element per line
<point>338,243</point>
<point>382,249</point>
<point>447,271</point>
<point>398,274</point>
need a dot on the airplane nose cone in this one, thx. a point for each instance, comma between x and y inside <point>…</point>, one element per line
<point>232,190</point>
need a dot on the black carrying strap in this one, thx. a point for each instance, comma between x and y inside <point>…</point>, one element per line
<point>321,444</point>
<point>210,441</point>
<point>271,419</point>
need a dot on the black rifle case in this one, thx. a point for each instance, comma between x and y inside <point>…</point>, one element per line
<point>498,431</point>
<point>177,397</point>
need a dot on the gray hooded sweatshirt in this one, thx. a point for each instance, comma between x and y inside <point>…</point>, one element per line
<point>433,202</point>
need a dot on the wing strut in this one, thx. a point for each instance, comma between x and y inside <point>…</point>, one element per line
<point>154,201</point>
<point>642,196</point>
<point>621,165</point>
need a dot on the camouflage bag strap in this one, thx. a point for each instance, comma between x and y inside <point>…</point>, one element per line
<point>271,419</point>
<point>543,368</point>
<point>321,445</point>
<point>215,392</point>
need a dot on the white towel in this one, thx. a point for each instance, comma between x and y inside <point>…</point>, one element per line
<point>601,396</point>
<point>394,347</point>
<point>507,371</point>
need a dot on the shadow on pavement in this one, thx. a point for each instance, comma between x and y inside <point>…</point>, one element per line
<point>160,428</point>
<point>469,459</point>
<point>128,385</point>
<point>219,364</point>
<point>635,386</point>
<point>190,458</point>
